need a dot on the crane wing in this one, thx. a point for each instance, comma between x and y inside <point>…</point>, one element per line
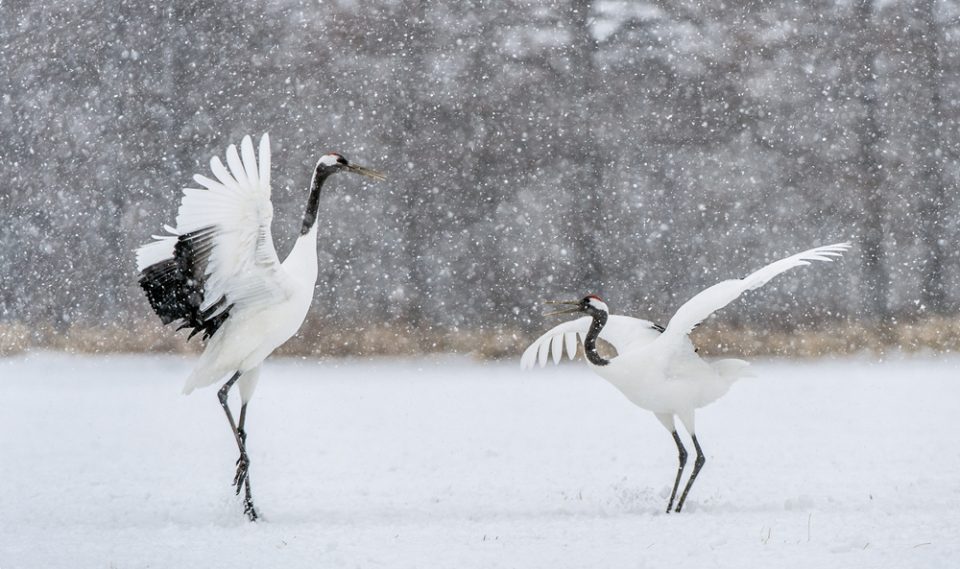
<point>721,294</point>
<point>623,332</point>
<point>220,255</point>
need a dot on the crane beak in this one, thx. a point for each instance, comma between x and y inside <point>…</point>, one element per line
<point>363,171</point>
<point>575,307</point>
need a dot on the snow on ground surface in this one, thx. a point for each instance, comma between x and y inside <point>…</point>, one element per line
<point>453,463</point>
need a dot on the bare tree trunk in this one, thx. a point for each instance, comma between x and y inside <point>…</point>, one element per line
<point>933,191</point>
<point>586,158</point>
<point>875,277</point>
<point>415,211</point>
<point>177,60</point>
<point>490,270</point>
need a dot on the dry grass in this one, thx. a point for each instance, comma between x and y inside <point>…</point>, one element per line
<point>389,340</point>
<point>150,337</point>
<point>140,337</point>
<point>937,334</point>
<point>14,338</point>
<point>932,334</point>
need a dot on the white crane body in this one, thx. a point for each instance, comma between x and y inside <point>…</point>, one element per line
<point>675,384</point>
<point>217,272</point>
<point>657,368</point>
<point>252,334</point>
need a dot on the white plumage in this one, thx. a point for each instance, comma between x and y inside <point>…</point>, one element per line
<point>267,300</point>
<point>622,332</point>
<point>661,372</point>
<point>217,271</point>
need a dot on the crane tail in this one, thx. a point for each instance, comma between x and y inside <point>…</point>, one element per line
<point>732,369</point>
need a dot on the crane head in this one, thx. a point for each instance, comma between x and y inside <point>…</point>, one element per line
<point>591,304</point>
<point>333,162</point>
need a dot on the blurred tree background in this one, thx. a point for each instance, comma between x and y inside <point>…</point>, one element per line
<point>638,150</point>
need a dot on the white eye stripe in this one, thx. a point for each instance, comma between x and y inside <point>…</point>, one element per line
<point>329,159</point>
<point>599,304</point>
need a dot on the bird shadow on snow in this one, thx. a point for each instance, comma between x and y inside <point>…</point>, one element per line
<point>627,498</point>
<point>619,500</point>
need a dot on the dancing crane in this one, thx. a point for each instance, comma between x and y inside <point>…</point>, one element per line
<point>657,368</point>
<point>217,273</point>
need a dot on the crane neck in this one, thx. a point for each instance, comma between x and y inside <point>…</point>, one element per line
<point>313,202</point>
<point>590,342</point>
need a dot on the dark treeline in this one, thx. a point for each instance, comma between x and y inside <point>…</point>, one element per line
<point>639,150</point>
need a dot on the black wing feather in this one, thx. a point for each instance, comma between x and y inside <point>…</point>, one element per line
<point>174,286</point>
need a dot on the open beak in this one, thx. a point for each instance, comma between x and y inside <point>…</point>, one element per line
<point>574,307</point>
<point>366,172</point>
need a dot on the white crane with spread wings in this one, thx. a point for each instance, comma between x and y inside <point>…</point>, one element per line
<point>657,368</point>
<point>218,274</point>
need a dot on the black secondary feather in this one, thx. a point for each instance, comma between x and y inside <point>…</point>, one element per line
<point>175,286</point>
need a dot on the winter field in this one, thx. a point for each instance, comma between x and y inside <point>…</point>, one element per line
<point>454,463</point>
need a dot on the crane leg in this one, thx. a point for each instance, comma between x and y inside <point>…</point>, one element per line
<point>697,465</point>
<point>243,463</point>
<point>682,457</point>
<point>241,477</point>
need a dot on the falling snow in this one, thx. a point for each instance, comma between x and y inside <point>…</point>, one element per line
<point>609,146</point>
<point>534,150</point>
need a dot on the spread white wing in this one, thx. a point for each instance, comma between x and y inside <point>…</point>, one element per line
<point>721,294</point>
<point>623,332</point>
<point>222,245</point>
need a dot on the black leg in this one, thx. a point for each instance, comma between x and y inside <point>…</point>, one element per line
<point>243,419</point>
<point>242,475</point>
<point>697,465</point>
<point>243,463</point>
<point>683,462</point>
<point>241,471</point>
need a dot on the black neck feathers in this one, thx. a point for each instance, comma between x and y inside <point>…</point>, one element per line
<point>590,342</point>
<point>313,202</point>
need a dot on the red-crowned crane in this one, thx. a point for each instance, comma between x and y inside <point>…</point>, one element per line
<point>658,368</point>
<point>217,273</point>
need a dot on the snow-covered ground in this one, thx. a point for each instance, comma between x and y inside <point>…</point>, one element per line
<point>453,463</point>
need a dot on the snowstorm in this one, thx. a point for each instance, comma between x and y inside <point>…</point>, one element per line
<point>611,157</point>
